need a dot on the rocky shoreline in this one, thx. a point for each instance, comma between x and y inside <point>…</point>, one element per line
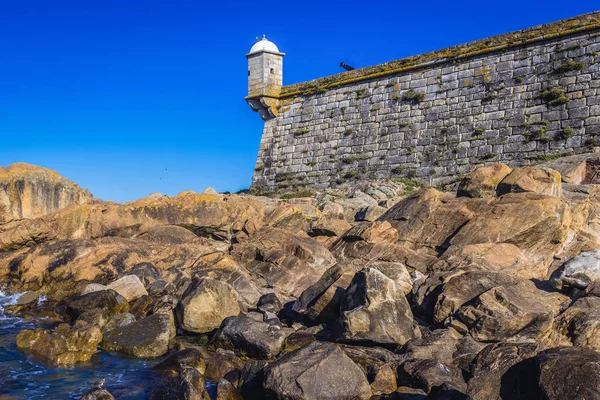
<point>486,290</point>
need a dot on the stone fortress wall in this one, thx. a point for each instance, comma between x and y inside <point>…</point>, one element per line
<point>517,98</point>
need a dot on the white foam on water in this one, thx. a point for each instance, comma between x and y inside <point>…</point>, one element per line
<point>7,300</point>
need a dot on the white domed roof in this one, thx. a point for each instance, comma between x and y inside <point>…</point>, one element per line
<point>264,45</point>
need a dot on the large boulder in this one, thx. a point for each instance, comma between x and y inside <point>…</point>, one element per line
<point>488,370</point>
<point>459,287</point>
<point>320,302</point>
<point>495,257</point>
<point>189,385</point>
<point>581,322</point>
<point>531,179</point>
<point>430,374</point>
<point>251,338</point>
<point>221,363</point>
<point>65,345</point>
<point>538,225</point>
<point>317,371</point>
<point>483,181</point>
<point>29,191</point>
<point>279,259</point>
<point>375,310</point>
<point>372,232</point>
<point>182,360</point>
<point>568,373</point>
<point>205,304</point>
<point>518,312</point>
<point>329,226</point>
<point>129,286</point>
<point>108,300</point>
<point>579,271</point>
<point>148,337</point>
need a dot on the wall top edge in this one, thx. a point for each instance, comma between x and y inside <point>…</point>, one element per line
<point>552,30</point>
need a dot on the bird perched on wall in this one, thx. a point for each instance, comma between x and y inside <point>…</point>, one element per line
<point>346,66</point>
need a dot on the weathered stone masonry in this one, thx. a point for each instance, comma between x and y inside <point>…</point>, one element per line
<point>515,98</point>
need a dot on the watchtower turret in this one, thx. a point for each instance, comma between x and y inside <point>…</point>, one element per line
<point>265,77</point>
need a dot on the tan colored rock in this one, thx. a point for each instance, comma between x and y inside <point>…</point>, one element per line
<point>538,225</point>
<point>384,381</point>
<point>574,169</point>
<point>495,257</point>
<point>93,287</point>
<point>29,191</point>
<point>428,218</point>
<point>375,310</point>
<point>372,232</point>
<point>397,272</point>
<point>212,215</point>
<point>329,226</point>
<point>483,181</point>
<point>206,303</point>
<point>531,179</point>
<point>460,287</point>
<point>518,312</point>
<point>63,268</point>
<point>282,260</point>
<point>209,190</point>
<point>129,286</point>
<point>66,345</point>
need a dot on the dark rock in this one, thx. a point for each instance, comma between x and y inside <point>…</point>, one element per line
<point>320,302</point>
<point>165,304</point>
<point>148,337</point>
<point>182,360</point>
<point>581,322</point>
<point>109,300</point>
<point>283,260</point>
<point>491,364</point>
<point>250,383</point>
<point>97,394</point>
<point>222,362</point>
<point>189,385</point>
<point>427,374</point>
<point>142,307</point>
<point>372,359</point>
<point>226,391</point>
<point>96,316</point>
<point>568,373</point>
<point>269,302</point>
<point>250,338</point>
<point>146,272</point>
<point>160,288</point>
<point>317,371</point>
<point>118,320</point>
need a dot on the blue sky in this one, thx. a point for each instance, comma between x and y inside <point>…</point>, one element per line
<point>130,97</point>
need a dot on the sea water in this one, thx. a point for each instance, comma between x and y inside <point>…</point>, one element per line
<point>23,376</point>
